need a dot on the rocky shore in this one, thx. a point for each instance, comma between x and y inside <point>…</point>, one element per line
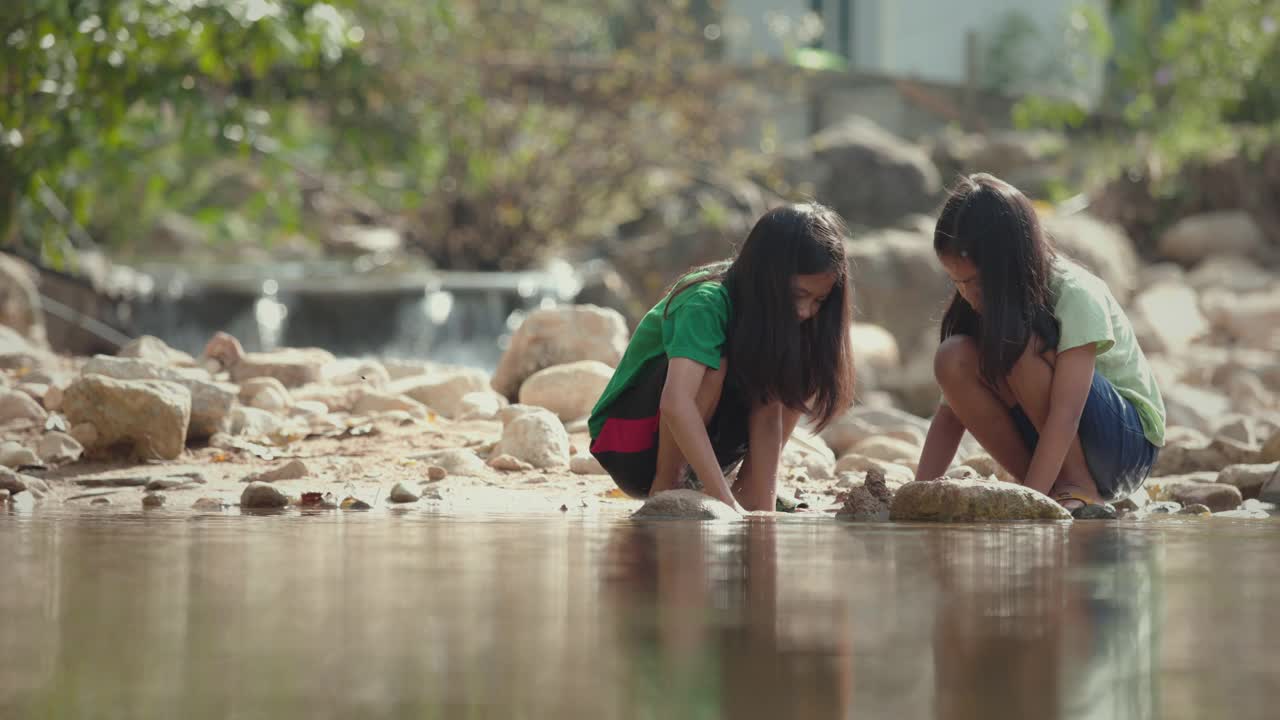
<point>156,429</point>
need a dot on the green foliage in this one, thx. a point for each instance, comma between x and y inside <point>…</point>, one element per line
<point>104,83</point>
<point>483,128</point>
<point>1190,83</point>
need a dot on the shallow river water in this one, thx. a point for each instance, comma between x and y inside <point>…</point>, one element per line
<point>417,616</point>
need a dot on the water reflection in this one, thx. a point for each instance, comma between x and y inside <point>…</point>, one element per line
<point>156,615</point>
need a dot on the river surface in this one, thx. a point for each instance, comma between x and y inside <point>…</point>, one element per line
<point>384,615</point>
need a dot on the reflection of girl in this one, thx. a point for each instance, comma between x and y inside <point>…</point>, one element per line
<point>709,643</point>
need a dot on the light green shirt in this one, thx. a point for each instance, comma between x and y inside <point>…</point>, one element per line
<point>1089,315</point>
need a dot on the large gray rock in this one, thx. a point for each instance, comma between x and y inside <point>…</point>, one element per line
<point>149,417</point>
<point>559,335</point>
<point>1229,232</point>
<point>1102,248</point>
<point>870,176</point>
<point>536,437</point>
<point>294,367</point>
<point>1167,317</point>
<point>443,392</point>
<point>569,390</point>
<point>949,500</point>
<point>211,402</point>
<point>685,505</point>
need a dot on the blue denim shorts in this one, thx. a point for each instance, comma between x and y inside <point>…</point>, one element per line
<point>1115,447</point>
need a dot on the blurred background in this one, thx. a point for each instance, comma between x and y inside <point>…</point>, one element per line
<point>408,177</point>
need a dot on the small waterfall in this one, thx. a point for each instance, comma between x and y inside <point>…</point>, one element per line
<point>452,317</point>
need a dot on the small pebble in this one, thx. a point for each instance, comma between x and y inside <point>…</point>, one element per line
<point>1100,511</point>
<point>435,473</point>
<point>208,504</point>
<point>153,500</point>
<point>402,494</point>
<point>100,501</point>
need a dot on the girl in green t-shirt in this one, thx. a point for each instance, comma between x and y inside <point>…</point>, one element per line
<point>722,368</point>
<point>1038,361</point>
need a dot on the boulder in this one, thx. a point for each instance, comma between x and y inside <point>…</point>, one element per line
<point>948,500</point>
<point>808,453</point>
<point>148,417</point>
<point>14,454</point>
<point>356,371</point>
<point>1193,407</point>
<point>1167,317</point>
<point>536,437</point>
<point>1251,319</point>
<point>154,350</point>
<point>266,393</point>
<point>373,402</point>
<point>480,405</point>
<point>888,449</point>
<point>210,401</point>
<point>56,448</point>
<point>20,300</point>
<point>900,285</point>
<point>875,351</point>
<point>1229,232</point>
<point>254,423</point>
<point>559,335</point>
<point>1232,273</point>
<point>294,367</point>
<point>1104,249</point>
<point>442,392</point>
<point>896,178</point>
<point>1249,479</point>
<point>684,505</point>
<point>569,390</point>
<point>17,405</point>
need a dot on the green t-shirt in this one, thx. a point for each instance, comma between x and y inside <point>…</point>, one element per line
<point>1089,314</point>
<point>694,328</point>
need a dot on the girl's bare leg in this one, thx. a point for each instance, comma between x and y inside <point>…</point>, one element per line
<point>984,412</point>
<point>1031,383</point>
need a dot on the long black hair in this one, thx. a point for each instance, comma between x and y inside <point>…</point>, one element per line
<point>773,356</point>
<point>992,224</point>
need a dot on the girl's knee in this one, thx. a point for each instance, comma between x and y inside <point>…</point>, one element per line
<point>956,361</point>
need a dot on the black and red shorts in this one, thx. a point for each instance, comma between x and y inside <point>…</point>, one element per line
<point>627,445</point>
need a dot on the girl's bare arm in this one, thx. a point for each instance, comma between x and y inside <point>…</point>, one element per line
<point>940,444</point>
<point>680,411</point>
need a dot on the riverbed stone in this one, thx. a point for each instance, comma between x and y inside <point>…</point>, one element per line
<point>402,493</point>
<point>559,335</point>
<point>14,454</point>
<point>266,393</point>
<point>154,350</point>
<point>294,367</point>
<point>436,473</point>
<point>1270,492</point>
<point>1248,478</point>
<point>480,405</point>
<point>154,500</point>
<point>1197,237</point>
<point>148,417</point>
<point>18,405</point>
<point>11,481</point>
<point>209,504</point>
<point>261,495</point>
<point>211,402</point>
<point>292,470</point>
<point>373,402</point>
<point>1196,488</point>
<point>586,464</point>
<point>887,449</point>
<point>537,438</point>
<point>56,448</point>
<point>442,391</point>
<point>509,463</point>
<point>685,505</point>
<point>254,423</point>
<point>569,390</point>
<point>948,500</point>
<point>457,461</point>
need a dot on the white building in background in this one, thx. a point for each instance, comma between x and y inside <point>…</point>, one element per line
<point>943,41</point>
